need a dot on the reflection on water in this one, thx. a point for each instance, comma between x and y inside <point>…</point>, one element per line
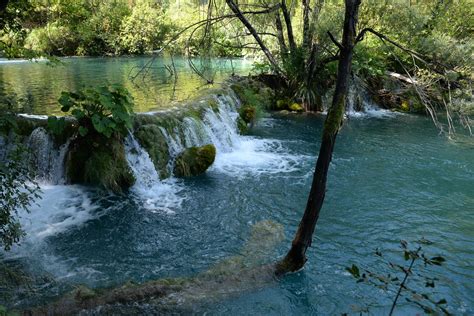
<point>38,85</point>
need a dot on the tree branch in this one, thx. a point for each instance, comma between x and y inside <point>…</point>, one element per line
<point>239,14</point>
<point>383,37</point>
<point>333,39</point>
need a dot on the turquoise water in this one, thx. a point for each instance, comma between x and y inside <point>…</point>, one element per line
<point>37,85</point>
<point>392,178</point>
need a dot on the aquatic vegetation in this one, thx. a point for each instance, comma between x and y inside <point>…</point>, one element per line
<point>231,276</point>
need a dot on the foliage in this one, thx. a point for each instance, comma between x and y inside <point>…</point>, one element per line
<point>397,280</point>
<point>144,30</point>
<point>18,190</point>
<point>106,110</point>
<point>52,39</point>
<point>12,33</point>
<point>100,34</point>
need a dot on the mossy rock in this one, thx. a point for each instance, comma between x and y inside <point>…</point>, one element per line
<point>83,293</point>
<point>101,161</point>
<point>248,113</point>
<point>242,126</point>
<point>194,161</point>
<point>282,104</point>
<point>153,141</point>
<point>405,106</point>
<point>26,124</point>
<point>253,92</point>
<point>296,107</point>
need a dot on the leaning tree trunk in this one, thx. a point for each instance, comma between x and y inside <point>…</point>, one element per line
<point>236,10</point>
<point>296,257</point>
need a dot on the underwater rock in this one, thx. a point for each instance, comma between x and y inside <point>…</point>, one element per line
<point>194,160</point>
<point>153,141</point>
<point>100,161</point>
<point>234,275</point>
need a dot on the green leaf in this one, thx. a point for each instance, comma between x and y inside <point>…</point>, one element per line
<point>354,271</point>
<point>56,125</point>
<point>438,260</point>
<point>78,114</point>
<point>83,131</point>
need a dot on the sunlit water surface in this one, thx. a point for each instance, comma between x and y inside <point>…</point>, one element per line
<point>37,86</point>
<point>392,178</point>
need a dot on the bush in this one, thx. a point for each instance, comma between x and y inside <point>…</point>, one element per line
<point>53,39</point>
<point>144,30</point>
<point>100,34</point>
<point>106,110</point>
<point>19,190</point>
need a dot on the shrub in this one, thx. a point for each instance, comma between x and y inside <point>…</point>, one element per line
<point>19,190</point>
<point>52,39</point>
<point>144,30</point>
<point>106,110</point>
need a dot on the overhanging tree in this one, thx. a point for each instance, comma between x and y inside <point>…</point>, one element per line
<point>296,256</point>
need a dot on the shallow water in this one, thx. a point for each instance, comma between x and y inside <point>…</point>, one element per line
<point>37,85</point>
<point>392,178</point>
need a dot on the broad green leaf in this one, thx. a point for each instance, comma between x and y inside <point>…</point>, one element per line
<point>83,131</point>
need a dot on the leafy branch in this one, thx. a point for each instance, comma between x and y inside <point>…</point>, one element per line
<point>387,281</point>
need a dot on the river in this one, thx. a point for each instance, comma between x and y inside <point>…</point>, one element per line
<point>392,178</point>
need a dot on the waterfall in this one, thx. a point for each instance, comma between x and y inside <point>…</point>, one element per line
<point>47,160</point>
<point>155,194</point>
<point>359,103</point>
<point>217,127</point>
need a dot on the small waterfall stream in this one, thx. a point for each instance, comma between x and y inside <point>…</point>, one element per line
<point>156,195</point>
<point>46,160</point>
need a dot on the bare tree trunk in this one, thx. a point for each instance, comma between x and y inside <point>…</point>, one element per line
<point>235,9</point>
<point>280,36</point>
<point>306,27</point>
<point>296,257</point>
<point>289,27</point>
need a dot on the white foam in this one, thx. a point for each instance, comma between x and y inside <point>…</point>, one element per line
<point>33,116</point>
<point>369,110</point>
<point>256,156</point>
<point>158,196</point>
<point>60,208</point>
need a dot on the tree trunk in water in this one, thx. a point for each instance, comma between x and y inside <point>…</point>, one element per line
<point>296,257</point>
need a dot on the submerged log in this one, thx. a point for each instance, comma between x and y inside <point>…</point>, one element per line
<point>234,275</point>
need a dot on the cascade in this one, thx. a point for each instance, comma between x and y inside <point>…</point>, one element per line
<point>46,159</point>
<point>359,103</point>
<point>157,195</point>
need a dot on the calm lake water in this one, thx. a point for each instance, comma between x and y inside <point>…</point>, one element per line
<point>38,85</point>
<point>392,178</point>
